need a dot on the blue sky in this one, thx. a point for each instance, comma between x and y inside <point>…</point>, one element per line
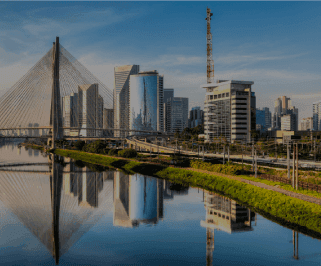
<point>274,44</point>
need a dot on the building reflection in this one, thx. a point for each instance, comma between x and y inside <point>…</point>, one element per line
<point>137,199</point>
<point>60,204</point>
<point>226,215</point>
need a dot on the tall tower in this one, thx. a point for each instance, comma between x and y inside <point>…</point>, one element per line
<point>210,61</point>
<point>55,113</point>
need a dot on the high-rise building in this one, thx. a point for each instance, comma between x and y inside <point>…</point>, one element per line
<point>70,112</point>
<point>90,109</point>
<point>121,98</point>
<point>263,118</point>
<point>168,93</point>
<point>317,115</point>
<point>283,106</point>
<point>108,122</point>
<point>288,122</point>
<point>306,124</point>
<point>229,110</point>
<point>146,102</point>
<point>196,117</point>
<point>176,114</point>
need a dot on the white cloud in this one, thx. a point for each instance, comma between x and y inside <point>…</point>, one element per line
<point>251,58</point>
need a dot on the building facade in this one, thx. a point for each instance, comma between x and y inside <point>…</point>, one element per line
<point>283,106</point>
<point>146,102</point>
<point>263,118</point>
<point>108,122</point>
<point>168,93</point>
<point>196,117</point>
<point>229,111</point>
<point>306,124</point>
<point>288,122</point>
<point>176,114</point>
<point>121,98</point>
<point>317,115</point>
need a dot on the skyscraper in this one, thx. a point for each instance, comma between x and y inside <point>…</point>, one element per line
<point>146,101</point>
<point>317,115</point>
<point>176,114</point>
<point>263,118</point>
<point>168,93</point>
<point>283,106</point>
<point>229,110</point>
<point>70,112</point>
<point>90,109</point>
<point>121,97</point>
<point>196,117</point>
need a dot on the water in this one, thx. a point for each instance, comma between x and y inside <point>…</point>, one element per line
<point>110,218</point>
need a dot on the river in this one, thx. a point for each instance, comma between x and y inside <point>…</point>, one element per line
<point>59,211</point>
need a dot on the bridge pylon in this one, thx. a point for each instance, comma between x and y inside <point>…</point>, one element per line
<point>55,112</point>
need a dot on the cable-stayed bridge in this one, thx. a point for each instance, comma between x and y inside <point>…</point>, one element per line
<point>57,97</point>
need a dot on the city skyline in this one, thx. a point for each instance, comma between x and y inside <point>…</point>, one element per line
<point>268,51</point>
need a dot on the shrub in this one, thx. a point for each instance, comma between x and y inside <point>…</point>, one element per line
<point>113,152</point>
<point>127,153</point>
<point>79,144</point>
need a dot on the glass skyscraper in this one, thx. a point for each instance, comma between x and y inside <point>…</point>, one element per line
<point>146,102</point>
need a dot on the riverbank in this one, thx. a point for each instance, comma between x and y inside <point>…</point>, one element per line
<point>290,211</point>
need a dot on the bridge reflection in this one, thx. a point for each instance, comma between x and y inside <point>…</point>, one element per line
<point>60,205</point>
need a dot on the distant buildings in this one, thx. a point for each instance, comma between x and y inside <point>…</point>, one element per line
<point>317,115</point>
<point>263,119</point>
<point>283,106</point>
<point>229,109</point>
<point>306,124</point>
<point>108,122</point>
<point>83,110</point>
<point>146,102</point>
<point>121,98</point>
<point>176,114</point>
<point>196,117</point>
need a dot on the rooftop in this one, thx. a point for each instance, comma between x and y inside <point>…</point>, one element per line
<point>224,82</point>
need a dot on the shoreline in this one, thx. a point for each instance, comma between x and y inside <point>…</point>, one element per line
<point>285,210</point>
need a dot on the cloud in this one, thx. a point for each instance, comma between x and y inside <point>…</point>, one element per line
<point>233,59</point>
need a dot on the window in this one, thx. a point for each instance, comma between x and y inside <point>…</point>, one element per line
<point>223,95</point>
<point>220,96</point>
<point>211,97</point>
<point>215,97</point>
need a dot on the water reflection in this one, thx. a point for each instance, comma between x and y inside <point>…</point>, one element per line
<point>226,215</point>
<point>62,203</point>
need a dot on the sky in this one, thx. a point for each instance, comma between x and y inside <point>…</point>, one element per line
<point>274,44</point>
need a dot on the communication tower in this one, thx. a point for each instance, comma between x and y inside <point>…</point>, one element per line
<point>210,61</point>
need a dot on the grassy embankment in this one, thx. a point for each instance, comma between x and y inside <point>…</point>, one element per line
<point>294,213</point>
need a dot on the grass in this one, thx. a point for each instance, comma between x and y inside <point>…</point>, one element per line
<point>293,212</point>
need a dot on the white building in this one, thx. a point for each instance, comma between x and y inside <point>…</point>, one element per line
<point>306,124</point>
<point>229,110</point>
<point>317,115</point>
<point>121,97</point>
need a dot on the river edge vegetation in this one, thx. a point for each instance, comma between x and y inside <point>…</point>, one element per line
<point>234,169</point>
<point>291,212</point>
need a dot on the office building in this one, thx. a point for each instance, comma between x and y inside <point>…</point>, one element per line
<point>168,93</point>
<point>70,112</point>
<point>317,115</point>
<point>108,122</point>
<point>263,118</point>
<point>146,102</point>
<point>91,107</point>
<point>84,111</point>
<point>121,98</point>
<point>176,114</point>
<point>306,124</point>
<point>288,122</point>
<point>283,106</point>
<point>196,117</point>
<point>229,111</point>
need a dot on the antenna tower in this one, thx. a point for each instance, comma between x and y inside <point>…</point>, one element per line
<point>210,61</point>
